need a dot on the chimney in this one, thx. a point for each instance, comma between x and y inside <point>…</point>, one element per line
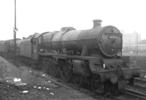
<point>97,23</point>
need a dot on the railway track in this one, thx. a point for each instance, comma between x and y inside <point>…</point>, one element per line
<point>138,89</point>
<point>136,92</point>
<point>140,83</point>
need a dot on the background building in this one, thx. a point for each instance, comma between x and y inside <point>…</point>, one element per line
<point>133,45</point>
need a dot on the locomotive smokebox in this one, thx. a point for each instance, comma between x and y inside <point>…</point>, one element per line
<point>97,23</point>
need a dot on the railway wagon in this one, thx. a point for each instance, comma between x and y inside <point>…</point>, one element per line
<point>7,47</point>
<point>2,47</point>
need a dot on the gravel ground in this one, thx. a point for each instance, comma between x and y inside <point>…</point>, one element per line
<point>26,84</point>
<point>23,83</point>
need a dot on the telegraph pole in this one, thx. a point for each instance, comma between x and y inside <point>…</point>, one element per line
<point>137,43</point>
<point>15,28</point>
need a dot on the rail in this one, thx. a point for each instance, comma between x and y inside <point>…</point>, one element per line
<point>138,89</point>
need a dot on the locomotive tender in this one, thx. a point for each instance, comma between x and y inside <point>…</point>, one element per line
<point>95,54</point>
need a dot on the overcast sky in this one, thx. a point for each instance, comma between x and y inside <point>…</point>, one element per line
<point>50,15</point>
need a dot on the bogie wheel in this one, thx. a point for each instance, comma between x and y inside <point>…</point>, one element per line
<point>49,66</point>
<point>110,89</point>
<point>77,80</point>
<point>65,70</point>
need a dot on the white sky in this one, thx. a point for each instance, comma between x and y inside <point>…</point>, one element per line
<point>49,15</point>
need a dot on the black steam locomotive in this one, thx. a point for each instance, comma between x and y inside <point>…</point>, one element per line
<point>93,55</point>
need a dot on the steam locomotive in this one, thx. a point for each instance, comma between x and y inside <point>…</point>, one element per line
<point>94,55</point>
